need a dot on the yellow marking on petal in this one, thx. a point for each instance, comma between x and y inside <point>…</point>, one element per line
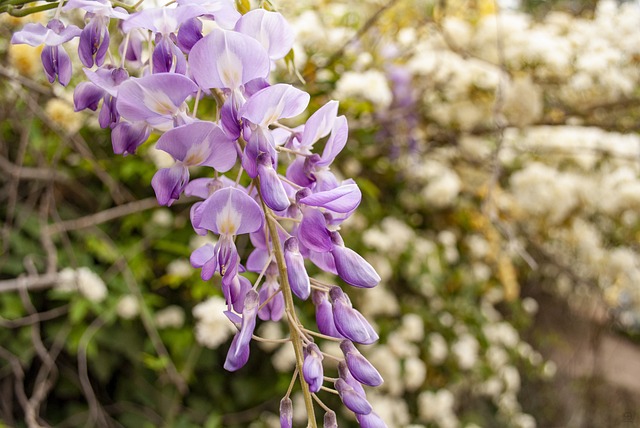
<point>228,221</point>
<point>158,102</point>
<point>197,154</point>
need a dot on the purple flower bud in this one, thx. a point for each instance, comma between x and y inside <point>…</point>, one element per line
<point>352,400</point>
<point>286,413</point>
<point>324,314</point>
<point>330,420</point>
<point>351,267</point>
<point>238,354</point>
<point>271,187</point>
<point>371,420</point>
<point>345,374</point>
<point>274,309</point>
<point>361,369</point>
<point>342,199</point>
<point>296,272</point>
<point>127,137</point>
<point>312,367</point>
<point>349,322</point>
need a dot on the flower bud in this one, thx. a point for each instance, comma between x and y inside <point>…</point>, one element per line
<point>312,367</point>
<point>349,322</point>
<point>330,420</point>
<point>352,400</point>
<point>359,366</point>
<point>286,413</point>
<point>296,272</point>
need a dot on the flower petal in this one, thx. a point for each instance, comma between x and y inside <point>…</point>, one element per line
<point>226,59</point>
<point>230,211</point>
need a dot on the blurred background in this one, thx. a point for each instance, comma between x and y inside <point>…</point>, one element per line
<point>497,148</point>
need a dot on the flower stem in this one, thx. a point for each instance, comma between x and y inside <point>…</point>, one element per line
<point>296,340</point>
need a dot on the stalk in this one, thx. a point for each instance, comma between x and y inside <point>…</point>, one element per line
<point>290,308</point>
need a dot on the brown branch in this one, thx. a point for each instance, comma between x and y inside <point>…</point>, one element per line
<point>29,282</point>
<point>102,216</point>
<point>29,173</point>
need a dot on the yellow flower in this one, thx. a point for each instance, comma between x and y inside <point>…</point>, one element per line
<point>61,113</point>
<point>26,60</point>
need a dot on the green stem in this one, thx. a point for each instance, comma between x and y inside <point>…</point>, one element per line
<point>296,340</point>
<point>20,12</point>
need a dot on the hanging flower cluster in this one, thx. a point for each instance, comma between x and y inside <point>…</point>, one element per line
<point>293,204</point>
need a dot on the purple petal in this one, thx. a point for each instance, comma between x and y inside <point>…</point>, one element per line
<point>97,7</point>
<point>195,214</point>
<point>354,269</point>
<point>54,34</point>
<point>349,322</point>
<point>371,420</point>
<point>109,115</point>
<point>336,142</point>
<point>226,59</point>
<point>351,399</point>
<point>223,11</point>
<point>361,369</point>
<point>274,309</point>
<point>199,143</point>
<point>313,232</point>
<point>235,290</point>
<point>127,137</point>
<point>87,95</point>
<point>229,119</point>
<point>271,188</point>
<point>169,182</point>
<point>312,369</point>
<point>155,98</point>
<point>296,272</point>
<point>320,123</point>
<point>273,103</point>
<point>324,315</point>
<point>345,374</point>
<point>106,78</point>
<point>167,57</point>
<point>64,66</point>
<point>270,29</point>
<point>342,199</point>
<point>190,32</point>
<point>205,258</point>
<point>258,259</point>
<point>205,187</point>
<point>94,41</point>
<point>297,172</point>
<point>230,211</point>
<point>238,354</point>
<point>162,20</point>
<point>324,261</point>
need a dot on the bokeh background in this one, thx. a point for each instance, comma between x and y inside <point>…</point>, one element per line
<point>497,148</point>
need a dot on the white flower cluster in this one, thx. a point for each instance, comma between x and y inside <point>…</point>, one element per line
<point>83,280</point>
<point>212,326</point>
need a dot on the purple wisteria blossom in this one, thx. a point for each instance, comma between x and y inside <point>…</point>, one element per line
<point>252,173</point>
<point>55,60</point>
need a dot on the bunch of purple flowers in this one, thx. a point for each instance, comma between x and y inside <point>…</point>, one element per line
<point>293,204</point>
